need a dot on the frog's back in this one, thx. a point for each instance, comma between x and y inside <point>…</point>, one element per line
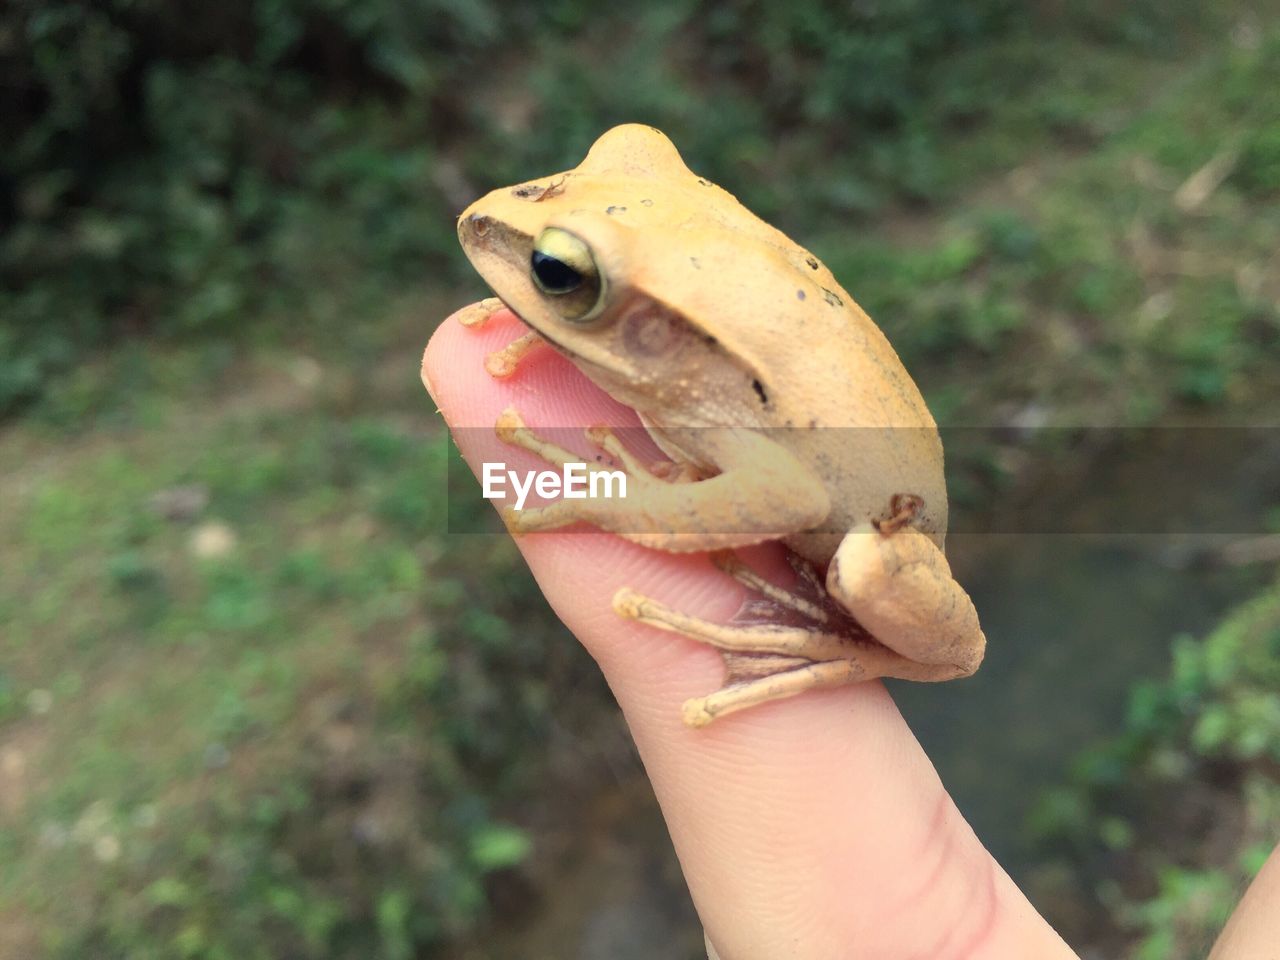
<point>779,307</point>
<point>829,384</point>
<point>825,379</point>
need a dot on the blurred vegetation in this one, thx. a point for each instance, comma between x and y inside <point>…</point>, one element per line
<point>338,711</point>
<point>251,704</point>
<point>170,172</point>
<point>1209,735</point>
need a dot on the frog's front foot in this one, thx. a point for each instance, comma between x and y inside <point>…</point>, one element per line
<point>503,363</point>
<point>511,429</point>
<point>500,364</point>
<point>478,314</point>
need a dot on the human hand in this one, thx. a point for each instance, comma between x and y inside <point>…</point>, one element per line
<point>812,828</point>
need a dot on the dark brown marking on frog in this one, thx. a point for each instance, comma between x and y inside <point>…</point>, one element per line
<point>536,192</point>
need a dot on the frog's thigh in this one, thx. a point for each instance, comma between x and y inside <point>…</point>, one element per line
<point>900,589</point>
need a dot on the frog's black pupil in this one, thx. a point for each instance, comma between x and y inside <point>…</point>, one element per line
<point>556,276</point>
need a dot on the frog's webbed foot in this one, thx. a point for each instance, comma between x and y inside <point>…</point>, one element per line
<point>780,658</point>
<point>728,562</point>
<point>501,363</point>
<point>771,661</point>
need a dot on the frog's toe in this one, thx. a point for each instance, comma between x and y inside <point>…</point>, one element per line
<point>509,421</point>
<point>627,603</point>
<point>604,438</point>
<point>695,714</point>
<point>501,364</point>
<point>478,314</point>
<point>781,685</point>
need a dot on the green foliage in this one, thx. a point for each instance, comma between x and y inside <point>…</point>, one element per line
<point>1208,735</point>
<point>1138,306</point>
<point>935,300</point>
<point>372,826</point>
<point>498,845</point>
<point>1253,84</point>
<point>167,172</point>
<point>266,874</point>
<point>172,172</point>
<point>1259,170</point>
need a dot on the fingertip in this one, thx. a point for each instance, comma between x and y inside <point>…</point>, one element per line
<point>794,820</point>
<point>455,354</point>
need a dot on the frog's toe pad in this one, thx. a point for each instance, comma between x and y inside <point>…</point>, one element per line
<point>695,714</point>
<point>627,603</point>
<point>508,423</point>
<point>478,314</point>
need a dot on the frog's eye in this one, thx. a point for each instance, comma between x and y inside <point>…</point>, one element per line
<point>564,269</point>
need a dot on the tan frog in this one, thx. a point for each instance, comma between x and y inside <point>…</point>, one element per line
<point>785,412</point>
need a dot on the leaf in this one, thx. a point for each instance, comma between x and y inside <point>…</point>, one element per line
<point>497,846</point>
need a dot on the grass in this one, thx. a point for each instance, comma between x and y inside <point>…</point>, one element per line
<point>180,690</point>
<point>253,702</point>
<point>1141,304</point>
<point>1206,733</point>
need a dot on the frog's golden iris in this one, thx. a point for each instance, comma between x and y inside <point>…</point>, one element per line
<point>564,269</point>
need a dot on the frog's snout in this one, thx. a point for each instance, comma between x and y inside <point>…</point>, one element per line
<point>479,231</point>
<point>473,226</point>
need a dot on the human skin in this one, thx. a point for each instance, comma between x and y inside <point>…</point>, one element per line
<point>1253,932</point>
<point>813,828</point>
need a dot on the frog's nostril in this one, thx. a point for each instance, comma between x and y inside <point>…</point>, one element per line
<point>479,224</point>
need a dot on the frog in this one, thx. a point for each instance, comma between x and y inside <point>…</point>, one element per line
<point>782,410</point>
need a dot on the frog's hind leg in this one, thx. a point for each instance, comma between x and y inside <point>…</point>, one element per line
<point>895,581</point>
<point>768,662</point>
<point>803,675</point>
<point>765,638</point>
